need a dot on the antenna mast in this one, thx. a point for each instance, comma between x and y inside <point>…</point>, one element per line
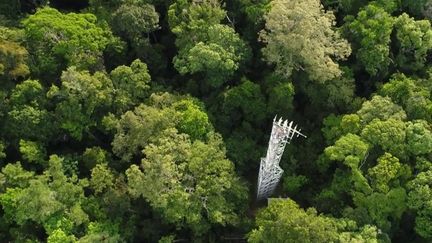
<point>270,172</point>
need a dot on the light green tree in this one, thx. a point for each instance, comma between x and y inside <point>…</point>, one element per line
<point>284,221</point>
<point>420,200</point>
<point>28,117</point>
<point>414,40</point>
<point>381,108</point>
<point>300,35</point>
<point>193,185</point>
<point>136,129</point>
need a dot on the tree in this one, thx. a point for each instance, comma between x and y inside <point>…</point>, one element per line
<point>28,118</point>
<point>378,195</point>
<point>299,41</point>
<point>133,19</point>
<point>419,138</point>
<point>420,8</point>
<point>414,41</point>
<point>82,99</point>
<point>218,55</point>
<point>380,108</point>
<point>137,128</point>
<point>192,120</point>
<point>57,40</point>
<point>336,94</point>
<point>131,85</point>
<point>103,9</point>
<point>350,149</point>
<point>370,33</point>
<point>412,94</point>
<point>354,6</point>
<point>386,170</point>
<point>284,221</point>
<point>388,135</point>
<point>32,151</point>
<point>376,189</point>
<point>13,60</point>
<point>10,9</point>
<point>14,175</point>
<point>193,184</point>
<point>101,178</point>
<point>244,102</point>
<point>51,200</point>
<point>205,46</point>
<point>420,200</point>
<point>191,25</point>
<point>280,93</point>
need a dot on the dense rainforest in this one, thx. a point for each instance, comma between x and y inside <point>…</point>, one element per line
<point>145,120</point>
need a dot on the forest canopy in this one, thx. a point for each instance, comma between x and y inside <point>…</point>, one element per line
<point>145,120</point>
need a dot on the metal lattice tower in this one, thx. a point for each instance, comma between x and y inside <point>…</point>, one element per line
<point>270,172</point>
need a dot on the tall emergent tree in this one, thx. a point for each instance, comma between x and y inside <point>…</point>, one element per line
<point>301,35</point>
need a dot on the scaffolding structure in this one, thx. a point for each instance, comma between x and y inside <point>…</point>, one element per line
<point>270,172</point>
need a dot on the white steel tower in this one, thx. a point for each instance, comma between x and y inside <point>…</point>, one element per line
<point>270,172</point>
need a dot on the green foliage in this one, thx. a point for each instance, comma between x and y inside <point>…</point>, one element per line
<point>58,236</point>
<point>193,22</point>
<point>420,199</point>
<point>218,54</point>
<point>292,184</point>
<point>284,221</point>
<point>94,156</point>
<point>131,85</point>
<point>13,60</point>
<point>415,40</point>
<point>205,46</point>
<point>94,149</point>
<point>418,8</point>
<point>192,120</point>
<point>10,8</point>
<point>51,200</point>
<point>350,149</point>
<point>299,41</point>
<point>380,108</point>
<point>13,175</point>
<point>281,95</point>
<point>419,138</point>
<point>244,102</point>
<point>27,117</point>
<point>82,98</point>
<point>187,179</point>
<point>336,94</point>
<point>101,178</point>
<point>413,95</point>
<point>386,170</point>
<point>353,6</point>
<point>382,208</point>
<point>370,32</point>
<point>389,135</point>
<point>103,231</point>
<point>32,151</point>
<point>56,40</point>
<point>138,128</point>
<point>133,19</point>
